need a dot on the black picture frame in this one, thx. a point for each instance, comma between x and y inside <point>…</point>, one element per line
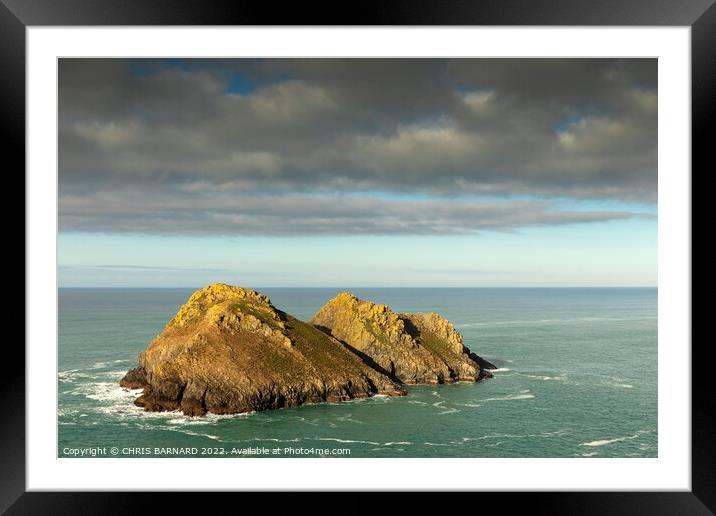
<point>700,15</point>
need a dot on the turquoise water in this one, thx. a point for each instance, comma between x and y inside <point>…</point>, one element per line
<point>577,378</point>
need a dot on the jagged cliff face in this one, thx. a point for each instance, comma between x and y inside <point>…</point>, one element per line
<point>413,348</point>
<point>229,350</point>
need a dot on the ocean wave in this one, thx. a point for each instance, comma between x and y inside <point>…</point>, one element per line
<point>336,439</point>
<point>555,433</point>
<point>110,399</point>
<point>604,442</point>
<point>559,378</point>
<point>273,439</point>
<point>147,425</point>
<point>522,396</point>
<point>104,391</point>
<point>613,381</point>
<point>349,419</point>
<point>72,375</point>
<point>500,370</point>
<point>196,434</point>
<point>187,421</point>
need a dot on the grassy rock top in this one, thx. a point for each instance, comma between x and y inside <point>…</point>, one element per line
<point>201,300</point>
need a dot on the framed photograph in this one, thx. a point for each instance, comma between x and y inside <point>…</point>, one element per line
<point>440,248</point>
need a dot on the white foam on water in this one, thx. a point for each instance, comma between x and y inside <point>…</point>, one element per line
<point>72,375</point>
<point>145,424</point>
<point>68,375</point>
<point>559,378</point>
<point>417,402</point>
<point>500,370</point>
<point>437,444</point>
<point>273,439</point>
<point>104,391</point>
<point>86,376</point>
<point>556,433</point>
<point>218,417</point>
<point>349,419</point>
<point>186,420</point>
<point>347,441</point>
<point>624,385</point>
<point>397,442</point>
<point>214,437</point>
<point>604,442</point>
<point>591,454</point>
<point>63,412</point>
<point>523,396</point>
<point>473,405</point>
<point>111,399</point>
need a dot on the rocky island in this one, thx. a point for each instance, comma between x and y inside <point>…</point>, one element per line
<point>411,348</point>
<point>229,350</point>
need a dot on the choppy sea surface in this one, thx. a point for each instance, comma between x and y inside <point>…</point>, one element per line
<point>577,377</point>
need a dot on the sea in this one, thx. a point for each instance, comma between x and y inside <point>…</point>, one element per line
<point>577,378</point>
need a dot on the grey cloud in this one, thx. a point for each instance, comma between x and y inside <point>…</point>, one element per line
<point>222,214</point>
<point>576,128</point>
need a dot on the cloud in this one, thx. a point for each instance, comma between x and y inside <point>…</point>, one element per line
<point>230,213</point>
<point>159,146</point>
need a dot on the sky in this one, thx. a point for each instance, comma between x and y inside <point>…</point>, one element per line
<point>357,172</point>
